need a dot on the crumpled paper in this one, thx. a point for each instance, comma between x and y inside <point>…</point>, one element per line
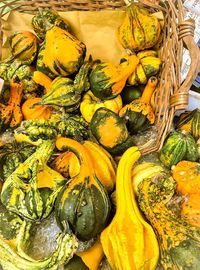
<point>96,29</point>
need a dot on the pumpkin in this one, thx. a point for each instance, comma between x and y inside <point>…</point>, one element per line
<point>11,155</point>
<point>83,203</point>
<point>24,46</point>
<point>44,19</point>
<point>179,241</point>
<point>190,209</point>
<point>139,30</point>
<point>90,104</point>
<point>10,114</point>
<point>39,112</point>
<point>190,122</point>
<point>31,190</point>
<point>108,80</point>
<point>66,92</point>
<point>139,114</point>
<point>63,53</point>
<point>69,166</point>
<point>129,242</point>
<point>110,131</point>
<point>149,65</point>
<point>178,146</point>
<point>187,177</point>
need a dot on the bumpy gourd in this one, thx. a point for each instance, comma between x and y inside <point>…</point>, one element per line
<point>44,19</point>
<point>63,53</point>
<point>90,104</point>
<point>139,114</point>
<point>139,30</point>
<point>178,146</point>
<point>129,241</point>
<point>108,80</point>
<point>30,191</point>
<point>179,241</point>
<point>83,203</point>
<point>11,155</point>
<point>110,131</point>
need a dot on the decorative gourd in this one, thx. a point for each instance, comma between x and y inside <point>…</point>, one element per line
<point>30,112</point>
<point>110,131</point>
<point>108,80</point>
<point>31,190</point>
<point>139,114</point>
<point>92,256</point>
<point>65,92</point>
<point>21,71</point>
<point>76,263</point>
<point>129,241</point>
<point>187,177</point>
<point>178,146</point>
<point>139,30</point>
<point>198,146</point>
<point>90,104</point>
<point>10,114</point>
<point>15,236</point>
<point>83,203</point>
<point>44,19</point>
<point>190,209</point>
<point>11,155</point>
<point>69,166</point>
<point>23,46</point>
<point>42,79</point>
<point>190,122</point>
<point>63,53</point>
<point>149,65</point>
<point>179,241</point>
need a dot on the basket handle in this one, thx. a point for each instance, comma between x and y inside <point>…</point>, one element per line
<point>186,32</point>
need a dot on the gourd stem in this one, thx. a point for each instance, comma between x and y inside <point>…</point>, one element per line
<point>148,90</point>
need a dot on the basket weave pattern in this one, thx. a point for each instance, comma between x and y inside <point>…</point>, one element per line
<point>170,95</point>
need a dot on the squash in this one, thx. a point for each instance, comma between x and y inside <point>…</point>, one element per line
<point>187,177</point>
<point>31,190</point>
<point>92,256</point>
<point>42,79</point>
<point>178,146</point>
<point>139,114</point>
<point>64,92</point>
<point>129,241</point>
<point>149,65</point>
<point>90,104</point>
<point>63,53</point>
<point>110,131</point>
<point>11,155</point>
<point>68,164</point>
<point>108,80</point>
<point>23,46</point>
<point>190,209</point>
<point>10,114</point>
<point>76,263</point>
<point>139,30</point>
<point>44,19</point>
<point>179,241</point>
<point>83,203</point>
<point>190,122</point>
<point>40,112</point>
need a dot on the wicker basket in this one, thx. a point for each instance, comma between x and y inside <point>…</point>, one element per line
<point>170,95</point>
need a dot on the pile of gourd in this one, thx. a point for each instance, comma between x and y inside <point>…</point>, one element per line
<point>71,120</point>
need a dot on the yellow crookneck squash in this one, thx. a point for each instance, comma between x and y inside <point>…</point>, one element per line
<point>129,242</point>
<point>90,104</point>
<point>105,168</point>
<point>35,112</point>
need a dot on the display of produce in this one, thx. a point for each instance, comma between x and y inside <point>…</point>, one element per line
<point>74,130</point>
